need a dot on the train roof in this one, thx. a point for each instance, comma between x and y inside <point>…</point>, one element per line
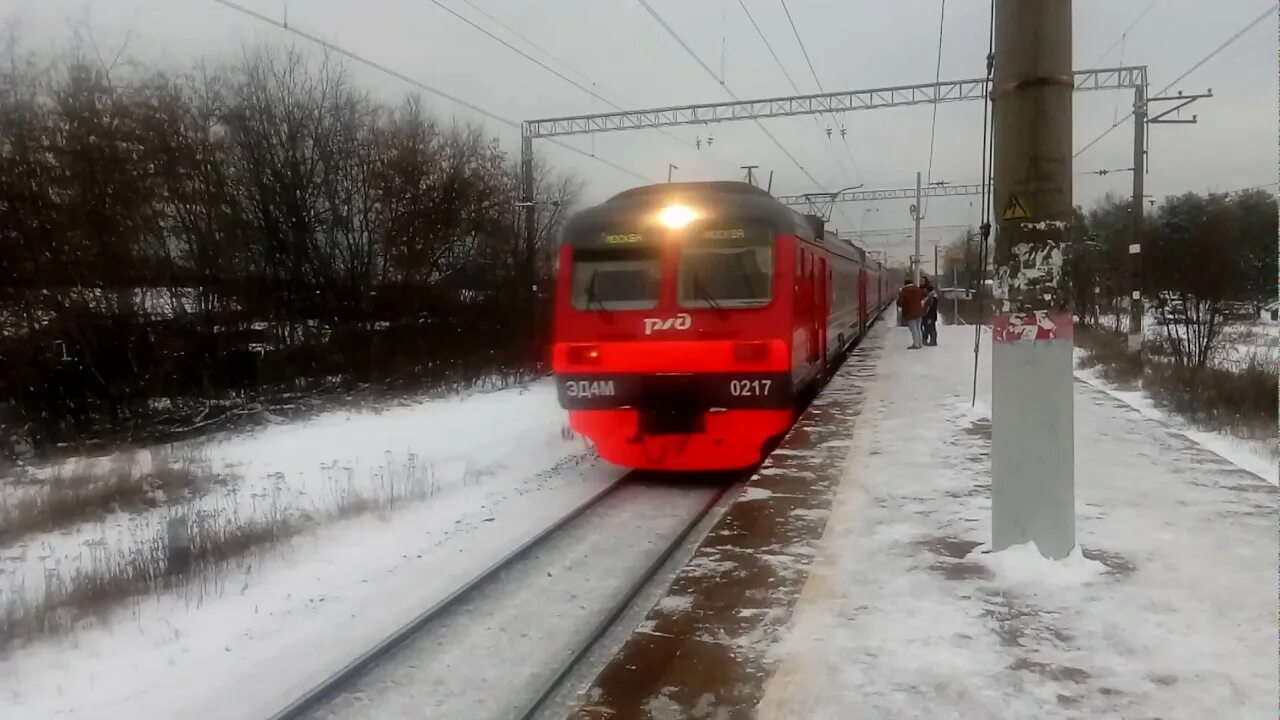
<point>630,210</point>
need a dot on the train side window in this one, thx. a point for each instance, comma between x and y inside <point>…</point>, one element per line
<point>616,278</point>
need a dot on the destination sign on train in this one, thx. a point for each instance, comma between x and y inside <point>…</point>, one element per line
<point>725,234</point>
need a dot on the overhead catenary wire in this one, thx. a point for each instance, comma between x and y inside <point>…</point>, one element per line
<point>1227,43</point>
<point>988,164</point>
<point>933,125</point>
<point>791,21</point>
<point>769,46</point>
<point>352,55</point>
<point>1120,40</point>
<point>526,55</point>
<point>808,61</point>
<point>590,91</point>
<point>671,31</point>
<point>781,66</point>
<point>525,38</point>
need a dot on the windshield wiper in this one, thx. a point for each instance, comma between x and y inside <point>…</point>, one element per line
<point>746,276</point>
<point>701,292</point>
<point>592,298</point>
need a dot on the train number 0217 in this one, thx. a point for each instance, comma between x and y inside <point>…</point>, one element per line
<point>749,388</point>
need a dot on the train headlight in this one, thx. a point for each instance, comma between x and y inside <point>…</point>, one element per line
<point>675,217</point>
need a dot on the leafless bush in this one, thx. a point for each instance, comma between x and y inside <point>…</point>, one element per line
<point>1241,401</point>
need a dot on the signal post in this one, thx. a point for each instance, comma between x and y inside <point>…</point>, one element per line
<point>1033,482</point>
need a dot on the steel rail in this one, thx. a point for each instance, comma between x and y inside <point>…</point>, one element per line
<point>623,604</point>
<point>321,693</point>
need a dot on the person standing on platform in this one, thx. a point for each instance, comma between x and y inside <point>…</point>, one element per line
<point>929,322</point>
<point>911,307</point>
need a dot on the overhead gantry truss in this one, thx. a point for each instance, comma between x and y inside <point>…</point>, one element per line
<point>1118,78</point>
<point>823,200</point>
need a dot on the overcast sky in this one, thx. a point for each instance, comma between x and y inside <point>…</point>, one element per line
<point>852,43</point>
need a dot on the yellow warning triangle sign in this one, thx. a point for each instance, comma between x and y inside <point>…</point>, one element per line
<point>1014,209</point>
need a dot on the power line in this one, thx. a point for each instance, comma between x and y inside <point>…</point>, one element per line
<point>508,45</point>
<point>543,50</point>
<point>1263,186</point>
<point>800,42</point>
<point>1180,78</point>
<point>416,83</point>
<point>712,73</point>
<point>794,87</point>
<point>933,126</point>
<point>1120,39</point>
<point>527,56</point>
<point>804,49</point>
<point>686,47</point>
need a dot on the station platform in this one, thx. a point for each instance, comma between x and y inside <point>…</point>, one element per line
<point>852,578</point>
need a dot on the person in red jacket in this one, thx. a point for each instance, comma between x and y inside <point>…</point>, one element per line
<point>911,307</point>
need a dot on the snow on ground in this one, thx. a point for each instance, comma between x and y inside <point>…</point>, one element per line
<point>1260,457</point>
<point>252,640</point>
<point>1249,343</point>
<point>308,469</point>
<point>1169,611</point>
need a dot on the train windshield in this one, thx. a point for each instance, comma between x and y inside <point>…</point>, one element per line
<point>616,278</point>
<point>726,275</point>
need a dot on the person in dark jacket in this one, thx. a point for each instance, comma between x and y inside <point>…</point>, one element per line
<point>929,321</point>
<point>911,308</point>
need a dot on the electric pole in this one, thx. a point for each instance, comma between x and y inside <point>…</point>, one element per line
<point>1135,243</point>
<point>1033,468</point>
<point>915,213</point>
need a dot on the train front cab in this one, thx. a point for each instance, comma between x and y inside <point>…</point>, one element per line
<point>674,348</point>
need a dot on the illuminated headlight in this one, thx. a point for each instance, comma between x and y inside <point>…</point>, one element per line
<point>676,216</point>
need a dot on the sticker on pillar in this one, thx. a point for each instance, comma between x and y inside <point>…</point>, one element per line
<point>1040,325</point>
<point>1014,209</point>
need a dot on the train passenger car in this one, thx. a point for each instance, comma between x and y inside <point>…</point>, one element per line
<point>689,317</point>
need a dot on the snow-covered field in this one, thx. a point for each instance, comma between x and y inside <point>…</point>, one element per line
<point>1253,343</point>
<point>495,469</point>
<point>1169,612</point>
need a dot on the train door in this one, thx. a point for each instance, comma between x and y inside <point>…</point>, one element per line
<point>811,307</point>
<point>862,299</point>
<point>828,302</point>
<point>820,308</point>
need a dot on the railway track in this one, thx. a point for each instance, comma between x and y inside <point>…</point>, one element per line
<point>482,635</point>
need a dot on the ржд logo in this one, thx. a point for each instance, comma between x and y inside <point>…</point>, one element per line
<point>680,322</point>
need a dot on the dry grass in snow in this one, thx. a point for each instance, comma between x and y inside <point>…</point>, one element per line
<point>75,492</point>
<point>189,547</point>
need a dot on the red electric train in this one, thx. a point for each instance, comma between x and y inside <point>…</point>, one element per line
<point>690,317</point>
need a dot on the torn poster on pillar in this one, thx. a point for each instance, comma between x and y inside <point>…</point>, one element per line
<point>1029,277</point>
<point>1039,325</point>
